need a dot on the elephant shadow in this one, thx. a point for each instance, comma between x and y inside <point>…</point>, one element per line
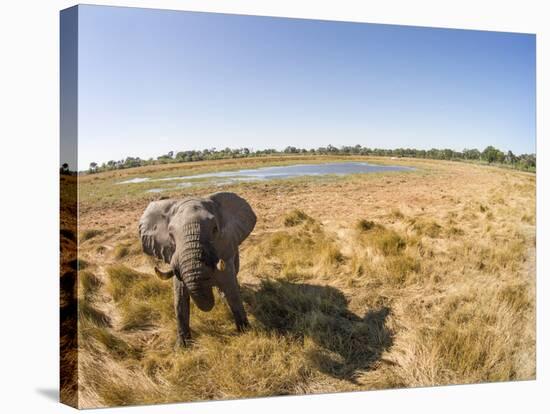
<point>347,344</point>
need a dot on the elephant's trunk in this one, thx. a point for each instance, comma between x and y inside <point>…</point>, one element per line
<point>191,266</point>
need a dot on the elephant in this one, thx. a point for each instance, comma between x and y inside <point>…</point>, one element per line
<point>199,238</point>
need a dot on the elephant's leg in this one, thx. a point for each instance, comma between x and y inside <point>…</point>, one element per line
<point>237,262</point>
<point>181,305</point>
<point>230,288</point>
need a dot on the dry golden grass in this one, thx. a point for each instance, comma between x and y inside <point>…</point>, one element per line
<point>126,249</point>
<point>296,217</point>
<point>303,252</point>
<point>365,282</point>
<point>89,234</point>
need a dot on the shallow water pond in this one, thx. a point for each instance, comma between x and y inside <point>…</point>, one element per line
<point>271,173</point>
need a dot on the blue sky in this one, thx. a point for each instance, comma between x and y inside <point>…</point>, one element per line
<point>151,81</point>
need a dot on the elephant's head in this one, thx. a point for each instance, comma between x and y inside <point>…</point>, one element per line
<point>196,236</point>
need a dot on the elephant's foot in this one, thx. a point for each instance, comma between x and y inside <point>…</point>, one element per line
<point>182,342</point>
<point>242,325</point>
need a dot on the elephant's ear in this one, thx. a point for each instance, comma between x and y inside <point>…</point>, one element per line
<point>153,230</point>
<point>236,218</point>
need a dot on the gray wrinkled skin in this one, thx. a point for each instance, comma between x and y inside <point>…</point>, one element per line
<point>192,235</point>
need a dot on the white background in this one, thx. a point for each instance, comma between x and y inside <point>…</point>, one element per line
<point>29,113</point>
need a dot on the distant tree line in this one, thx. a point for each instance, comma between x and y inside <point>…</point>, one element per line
<point>490,155</point>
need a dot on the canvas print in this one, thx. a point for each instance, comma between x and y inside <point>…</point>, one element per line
<point>255,206</point>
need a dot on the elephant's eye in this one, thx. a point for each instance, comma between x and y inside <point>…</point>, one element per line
<point>215,229</point>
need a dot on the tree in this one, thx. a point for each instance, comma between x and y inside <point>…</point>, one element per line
<point>166,157</point>
<point>131,162</point>
<point>471,154</point>
<point>491,154</point>
<point>510,158</point>
<point>527,161</point>
<point>434,154</point>
<point>447,154</point>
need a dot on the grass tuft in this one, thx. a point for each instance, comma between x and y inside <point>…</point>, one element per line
<point>296,217</point>
<point>528,218</point>
<point>385,241</point>
<point>126,249</point>
<point>425,227</point>
<point>364,225</point>
<point>143,300</point>
<point>90,234</point>
<point>396,214</point>
<point>122,280</point>
<point>300,253</point>
<point>89,283</point>
<point>516,296</point>
<point>120,251</point>
<point>95,316</point>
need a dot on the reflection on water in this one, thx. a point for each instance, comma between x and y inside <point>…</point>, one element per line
<point>271,173</point>
<point>134,180</point>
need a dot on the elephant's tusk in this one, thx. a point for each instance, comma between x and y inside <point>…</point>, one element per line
<point>164,275</point>
<point>220,265</point>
